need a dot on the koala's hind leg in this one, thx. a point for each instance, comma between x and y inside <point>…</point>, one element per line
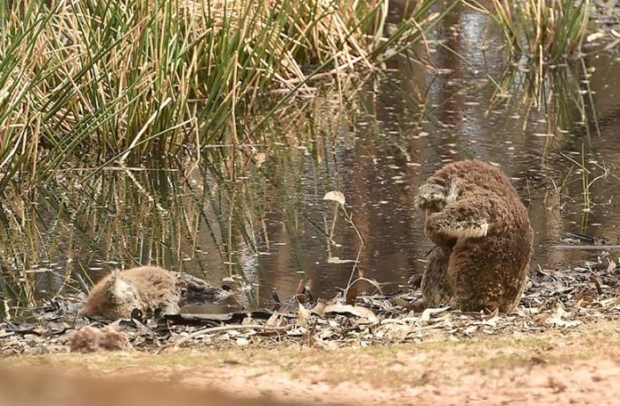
<point>436,289</point>
<point>477,285</point>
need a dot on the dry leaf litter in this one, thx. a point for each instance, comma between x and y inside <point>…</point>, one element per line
<point>554,299</point>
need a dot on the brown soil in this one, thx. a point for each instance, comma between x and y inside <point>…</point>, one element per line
<point>575,366</point>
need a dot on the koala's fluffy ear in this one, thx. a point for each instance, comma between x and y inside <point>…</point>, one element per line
<point>431,196</point>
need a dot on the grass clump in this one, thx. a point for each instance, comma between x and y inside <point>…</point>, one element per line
<point>209,217</point>
<point>547,30</point>
<point>121,77</point>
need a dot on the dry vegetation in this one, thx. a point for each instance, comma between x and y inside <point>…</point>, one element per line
<point>557,346</point>
<point>565,366</point>
<point>122,77</point>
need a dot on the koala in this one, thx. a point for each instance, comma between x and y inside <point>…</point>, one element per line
<point>146,288</point>
<point>482,235</point>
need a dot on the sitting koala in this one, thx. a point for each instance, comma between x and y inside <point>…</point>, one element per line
<point>146,288</point>
<point>483,238</point>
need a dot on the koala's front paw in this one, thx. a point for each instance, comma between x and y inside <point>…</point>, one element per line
<point>462,229</point>
<point>430,197</point>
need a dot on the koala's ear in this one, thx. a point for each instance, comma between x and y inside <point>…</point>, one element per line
<point>431,196</point>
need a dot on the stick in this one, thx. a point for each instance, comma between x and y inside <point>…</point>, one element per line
<point>585,247</point>
<point>224,328</point>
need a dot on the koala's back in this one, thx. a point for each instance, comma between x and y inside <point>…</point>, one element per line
<point>146,288</point>
<point>491,272</point>
<point>155,286</point>
<point>476,177</point>
<point>474,182</point>
<point>488,268</point>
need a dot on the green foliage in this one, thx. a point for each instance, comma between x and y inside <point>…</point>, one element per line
<point>123,77</point>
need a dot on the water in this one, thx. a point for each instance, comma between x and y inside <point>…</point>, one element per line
<point>269,223</point>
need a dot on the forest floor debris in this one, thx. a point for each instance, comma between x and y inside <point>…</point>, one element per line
<point>558,346</point>
<point>555,300</point>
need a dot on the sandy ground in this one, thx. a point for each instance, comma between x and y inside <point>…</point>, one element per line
<point>576,366</point>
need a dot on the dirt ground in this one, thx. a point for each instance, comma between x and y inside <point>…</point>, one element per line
<point>579,365</point>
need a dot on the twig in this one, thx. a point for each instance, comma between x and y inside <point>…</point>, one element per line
<point>585,247</point>
<point>83,284</point>
<point>224,328</point>
<point>596,282</point>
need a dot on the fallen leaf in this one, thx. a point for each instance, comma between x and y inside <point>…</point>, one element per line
<point>557,318</point>
<point>351,295</point>
<point>427,313</point>
<point>611,266</point>
<point>319,308</point>
<point>335,196</point>
<point>303,316</point>
<point>336,260</point>
<point>358,311</point>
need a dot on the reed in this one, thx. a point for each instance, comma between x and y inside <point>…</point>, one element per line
<point>122,79</point>
<point>561,94</point>
<point>549,31</point>
<point>207,214</point>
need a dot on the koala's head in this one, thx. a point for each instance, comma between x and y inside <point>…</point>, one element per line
<point>436,194</point>
<point>121,292</point>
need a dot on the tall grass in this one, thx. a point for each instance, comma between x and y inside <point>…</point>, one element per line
<point>126,78</point>
<point>546,73</point>
<point>548,31</point>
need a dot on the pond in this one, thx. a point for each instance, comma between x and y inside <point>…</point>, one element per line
<point>261,217</point>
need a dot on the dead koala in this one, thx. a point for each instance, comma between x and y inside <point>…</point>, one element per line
<point>483,238</point>
<point>147,288</point>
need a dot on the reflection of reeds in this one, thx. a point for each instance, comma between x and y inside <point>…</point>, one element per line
<point>555,101</point>
<point>561,93</point>
<point>586,168</point>
<point>202,216</point>
<point>545,30</point>
<point>122,217</point>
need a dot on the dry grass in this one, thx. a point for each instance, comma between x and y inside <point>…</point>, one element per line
<point>119,78</point>
<point>546,30</point>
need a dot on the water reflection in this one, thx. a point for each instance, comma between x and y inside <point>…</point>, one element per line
<point>267,222</point>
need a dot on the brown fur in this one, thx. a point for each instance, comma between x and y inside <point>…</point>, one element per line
<point>85,340</point>
<point>483,237</point>
<point>90,339</point>
<point>147,288</point>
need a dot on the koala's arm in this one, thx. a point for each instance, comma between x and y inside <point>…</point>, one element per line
<point>463,219</point>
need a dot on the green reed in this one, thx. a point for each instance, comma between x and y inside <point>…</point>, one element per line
<point>202,213</point>
<point>559,93</point>
<point>121,78</point>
